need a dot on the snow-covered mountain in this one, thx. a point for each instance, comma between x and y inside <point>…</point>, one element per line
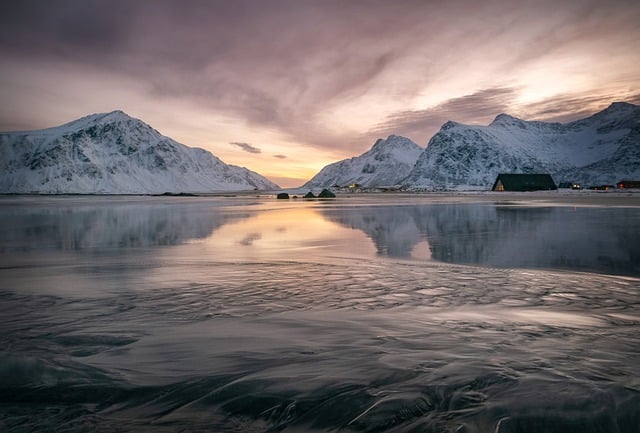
<point>386,163</point>
<point>113,153</point>
<point>603,148</point>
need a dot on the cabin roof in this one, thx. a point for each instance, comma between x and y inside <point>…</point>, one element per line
<point>524,182</point>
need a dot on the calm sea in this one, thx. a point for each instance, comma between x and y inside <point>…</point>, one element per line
<point>374,313</point>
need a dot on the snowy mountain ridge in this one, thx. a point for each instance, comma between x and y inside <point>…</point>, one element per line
<point>603,148</point>
<point>113,153</point>
<point>386,163</point>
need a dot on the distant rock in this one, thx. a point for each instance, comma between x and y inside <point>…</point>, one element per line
<point>179,194</point>
<point>113,153</point>
<point>309,195</point>
<point>386,163</point>
<point>282,196</point>
<point>325,193</point>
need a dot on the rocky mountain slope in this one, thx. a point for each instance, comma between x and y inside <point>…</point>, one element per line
<point>601,149</point>
<point>113,153</point>
<point>386,163</point>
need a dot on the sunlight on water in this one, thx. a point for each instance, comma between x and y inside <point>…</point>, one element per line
<point>290,233</point>
<point>421,251</point>
<point>250,314</point>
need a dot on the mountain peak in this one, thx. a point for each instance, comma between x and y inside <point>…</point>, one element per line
<point>117,114</point>
<point>113,153</point>
<point>618,114</point>
<point>448,125</point>
<point>386,163</point>
<point>113,116</point>
<point>99,118</point>
<point>506,119</point>
<point>620,107</point>
<point>391,141</point>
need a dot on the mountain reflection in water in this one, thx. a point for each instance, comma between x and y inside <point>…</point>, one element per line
<point>593,239</point>
<point>93,223</point>
<point>252,314</point>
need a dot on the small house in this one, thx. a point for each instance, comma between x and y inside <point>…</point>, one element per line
<point>628,184</point>
<point>523,182</point>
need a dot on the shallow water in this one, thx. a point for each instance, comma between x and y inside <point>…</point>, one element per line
<point>251,314</point>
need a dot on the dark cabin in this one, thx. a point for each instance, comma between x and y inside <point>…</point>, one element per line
<point>628,184</point>
<point>523,182</point>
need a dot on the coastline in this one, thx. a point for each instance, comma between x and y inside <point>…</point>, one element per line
<point>615,198</point>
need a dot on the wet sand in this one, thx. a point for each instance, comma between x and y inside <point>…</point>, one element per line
<point>365,313</point>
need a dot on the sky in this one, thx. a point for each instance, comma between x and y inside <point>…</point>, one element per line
<point>285,87</point>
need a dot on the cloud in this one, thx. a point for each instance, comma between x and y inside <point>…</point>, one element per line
<point>476,108</point>
<point>246,147</point>
<point>280,156</point>
<point>567,108</point>
<point>284,66</point>
<point>279,65</point>
<point>481,108</point>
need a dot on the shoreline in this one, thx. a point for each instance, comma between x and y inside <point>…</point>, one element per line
<point>617,198</point>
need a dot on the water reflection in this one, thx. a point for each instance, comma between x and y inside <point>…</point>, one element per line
<point>294,233</point>
<point>74,224</point>
<point>590,239</point>
<point>198,230</point>
<point>593,239</point>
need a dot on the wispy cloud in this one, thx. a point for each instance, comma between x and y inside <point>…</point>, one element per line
<point>481,108</point>
<point>246,147</point>
<point>566,108</point>
<point>419,125</point>
<point>280,156</point>
<point>321,73</point>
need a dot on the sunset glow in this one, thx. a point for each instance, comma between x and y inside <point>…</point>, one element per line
<point>300,84</point>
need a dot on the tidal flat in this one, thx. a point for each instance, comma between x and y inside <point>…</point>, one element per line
<point>444,312</point>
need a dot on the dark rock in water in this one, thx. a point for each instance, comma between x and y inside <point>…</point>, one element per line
<point>309,195</point>
<point>325,193</point>
<point>177,194</point>
<point>283,195</point>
